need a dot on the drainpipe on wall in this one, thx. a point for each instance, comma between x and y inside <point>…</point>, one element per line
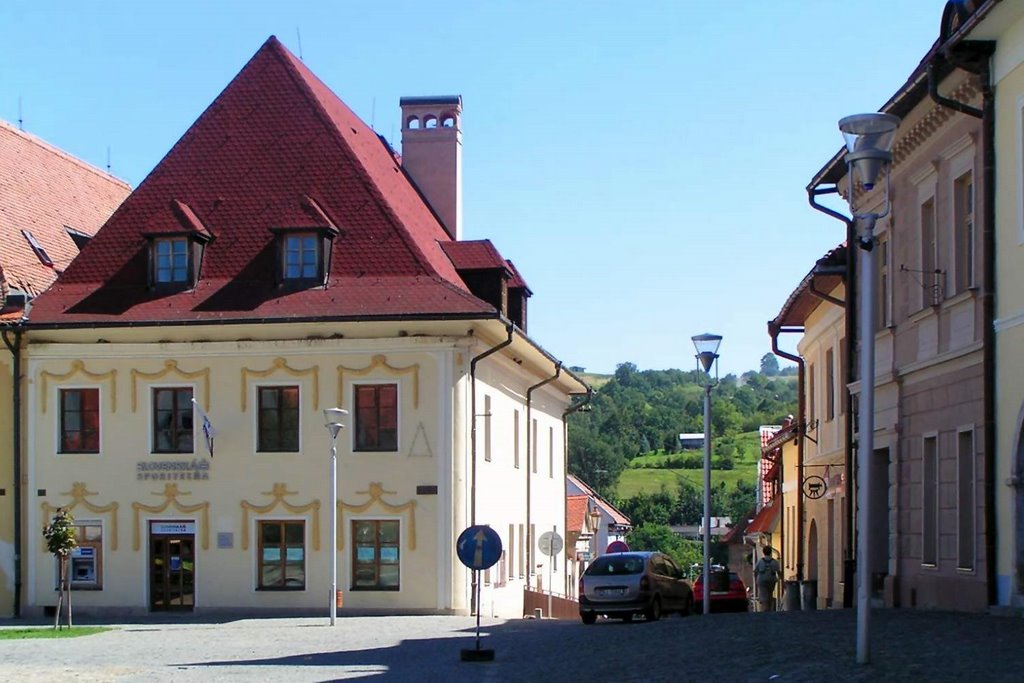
<point>801,423</point>
<point>584,406</point>
<point>849,375</point>
<point>509,329</point>
<point>15,349</point>
<point>530,455</point>
<point>978,63</point>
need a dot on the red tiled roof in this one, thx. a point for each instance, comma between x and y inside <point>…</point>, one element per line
<point>276,149</point>
<point>42,190</point>
<point>576,512</point>
<point>615,514</point>
<point>765,520</point>
<point>824,277</point>
<point>517,281</point>
<point>474,255</point>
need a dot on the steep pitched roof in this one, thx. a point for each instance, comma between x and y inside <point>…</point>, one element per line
<point>617,516</point>
<point>44,191</point>
<point>276,149</point>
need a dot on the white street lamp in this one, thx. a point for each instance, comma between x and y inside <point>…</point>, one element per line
<point>333,422</point>
<point>707,355</point>
<point>869,139</point>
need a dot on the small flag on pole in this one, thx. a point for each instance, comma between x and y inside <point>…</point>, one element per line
<point>208,431</point>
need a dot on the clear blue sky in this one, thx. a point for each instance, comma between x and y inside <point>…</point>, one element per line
<point>643,164</point>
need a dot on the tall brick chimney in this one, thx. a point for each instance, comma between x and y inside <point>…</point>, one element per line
<point>432,154</point>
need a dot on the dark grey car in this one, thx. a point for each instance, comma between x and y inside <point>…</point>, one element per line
<point>622,585</point>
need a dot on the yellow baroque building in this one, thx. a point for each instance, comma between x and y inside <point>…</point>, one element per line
<point>282,260</point>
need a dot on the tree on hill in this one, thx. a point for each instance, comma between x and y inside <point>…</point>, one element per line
<point>769,365</point>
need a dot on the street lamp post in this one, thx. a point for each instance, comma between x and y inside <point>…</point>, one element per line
<point>332,420</point>
<point>869,139</point>
<point>707,355</point>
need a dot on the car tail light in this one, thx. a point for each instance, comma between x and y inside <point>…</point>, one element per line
<point>645,583</point>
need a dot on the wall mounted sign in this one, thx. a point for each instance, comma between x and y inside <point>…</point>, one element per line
<point>814,487</point>
<point>172,469</point>
<point>172,528</point>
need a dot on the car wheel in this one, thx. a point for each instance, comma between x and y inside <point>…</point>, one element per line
<point>588,618</point>
<point>653,612</point>
<point>626,618</point>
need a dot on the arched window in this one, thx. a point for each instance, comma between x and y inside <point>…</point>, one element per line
<point>430,121</point>
<point>412,122</point>
<point>447,120</point>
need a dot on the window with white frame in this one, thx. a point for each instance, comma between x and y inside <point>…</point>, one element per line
<point>930,501</point>
<point>302,256</point>
<point>931,276</point>
<point>963,231</point>
<point>170,262</point>
<point>282,555</point>
<point>965,499</point>
<point>172,420</point>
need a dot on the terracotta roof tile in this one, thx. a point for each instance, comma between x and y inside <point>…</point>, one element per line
<point>576,512</point>
<point>42,190</point>
<point>276,149</point>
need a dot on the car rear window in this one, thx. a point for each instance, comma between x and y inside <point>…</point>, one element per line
<point>611,565</point>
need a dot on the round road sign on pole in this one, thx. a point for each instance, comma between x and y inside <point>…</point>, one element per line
<point>479,547</point>
<point>550,543</point>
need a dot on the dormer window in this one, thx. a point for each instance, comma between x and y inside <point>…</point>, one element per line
<point>302,256</point>
<point>40,253</point>
<point>171,262</point>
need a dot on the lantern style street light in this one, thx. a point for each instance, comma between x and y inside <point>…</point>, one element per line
<point>707,355</point>
<point>333,422</point>
<point>869,139</point>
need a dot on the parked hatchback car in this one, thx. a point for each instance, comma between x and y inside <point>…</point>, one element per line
<point>622,585</point>
<point>728,592</point>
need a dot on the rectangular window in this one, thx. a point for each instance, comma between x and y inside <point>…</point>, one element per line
<point>515,437</point>
<point>487,428</point>
<point>511,546</point>
<point>301,257</point>
<point>531,543</point>
<point>41,254</point>
<point>931,277</point>
<point>830,385</point>
<point>278,420</point>
<point>375,555</point>
<point>811,407</point>
<point>79,420</point>
<point>965,499</point>
<point>882,298</point>
<point>963,230</point>
<point>282,555</point>
<point>930,501</point>
<point>377,417</point>
<point>551,452</point>
<point>533,444</point>
<point>172,420</point>
<point>522,554</point>
<point>502,570</point>
<point>85,564</point>
<point>171,261</point>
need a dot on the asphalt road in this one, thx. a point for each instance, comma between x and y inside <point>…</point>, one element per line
<point>796,646</point>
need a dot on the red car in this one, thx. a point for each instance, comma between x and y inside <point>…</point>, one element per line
<point>728,593</point>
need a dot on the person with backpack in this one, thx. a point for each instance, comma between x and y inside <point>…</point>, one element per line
<point>767,574</point>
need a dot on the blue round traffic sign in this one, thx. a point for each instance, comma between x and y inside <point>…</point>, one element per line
<point>479,547</point>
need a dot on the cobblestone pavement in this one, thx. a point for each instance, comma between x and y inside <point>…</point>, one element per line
<point>786,646</point>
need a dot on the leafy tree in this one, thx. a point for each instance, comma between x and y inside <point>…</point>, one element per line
<point>660,537</point>
<point>595,461</point>
<point>649,508</point>
<point>60,540</point>
<point>690,503</point>
<point>769,365</point>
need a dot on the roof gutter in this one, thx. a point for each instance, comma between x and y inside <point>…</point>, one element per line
<point>774,330</point>
<point>15,348</point>
<point>510,329</point>
<point>975,57</point>
<point>531,460</point>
